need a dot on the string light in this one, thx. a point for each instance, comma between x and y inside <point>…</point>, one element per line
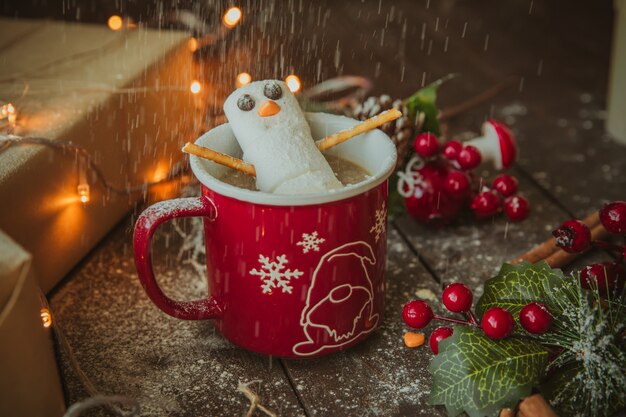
<point>195,87</point>
<point>46,317</point>
<point>8,112</point>
<point>232,17</point>
<point>83,192</point>
<point>243,78</point>
<point>192,44</point>
<point>83,185</point>
<point>83,156</point>
<point>85,161</point>
<point>293,82</point>
<point>115,22</point>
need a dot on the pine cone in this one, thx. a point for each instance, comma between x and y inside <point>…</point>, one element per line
<point>401,131</point>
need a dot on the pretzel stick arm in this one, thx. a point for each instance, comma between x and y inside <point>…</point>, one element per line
<point>220,158</point>
<point>322,144</point>
<point>365,126</point>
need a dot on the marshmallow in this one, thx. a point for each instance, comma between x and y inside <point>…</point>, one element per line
<point>275,137</point>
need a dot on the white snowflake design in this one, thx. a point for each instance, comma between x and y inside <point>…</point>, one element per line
<point>381,221</point>
<point>274,275</point>
<point>310,242</point>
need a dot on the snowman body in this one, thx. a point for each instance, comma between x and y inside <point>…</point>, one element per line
<point>275,137</point>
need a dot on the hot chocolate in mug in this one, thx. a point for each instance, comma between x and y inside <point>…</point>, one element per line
<point>288,275</point>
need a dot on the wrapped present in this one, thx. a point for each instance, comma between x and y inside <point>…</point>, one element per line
<point>124,96</point>
<point>29,380</point>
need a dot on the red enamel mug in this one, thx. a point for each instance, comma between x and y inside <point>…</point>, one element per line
<point>290,276</point>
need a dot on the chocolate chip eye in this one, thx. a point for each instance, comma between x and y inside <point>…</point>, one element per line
<point>245,102</point>
<point>273,91</point>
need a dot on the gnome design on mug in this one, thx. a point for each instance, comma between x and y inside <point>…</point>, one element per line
<point>333,293</point>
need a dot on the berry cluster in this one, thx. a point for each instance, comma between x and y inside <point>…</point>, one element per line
<point>574,236</point>
<point>501,196</point>
<point>496,323</point>
<point>436,191</point>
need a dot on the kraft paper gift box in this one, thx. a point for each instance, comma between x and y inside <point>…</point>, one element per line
<point>124,96</point>
<point>29,378</point>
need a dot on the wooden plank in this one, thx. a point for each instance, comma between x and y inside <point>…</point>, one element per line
<point>129,347</point>
<point>380,376</point>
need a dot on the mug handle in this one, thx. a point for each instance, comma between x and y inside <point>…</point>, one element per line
<point>146,225</point>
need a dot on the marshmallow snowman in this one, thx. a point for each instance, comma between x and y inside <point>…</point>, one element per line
<point>275,137</point>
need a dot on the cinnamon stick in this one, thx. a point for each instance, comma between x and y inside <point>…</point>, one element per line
<point>535,406</point>
<point>549,247</point>
<point>560,258</point>
<point>506,412</point>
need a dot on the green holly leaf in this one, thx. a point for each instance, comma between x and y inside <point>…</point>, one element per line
<point>424,100</point>
<point>517,285</point>
<point>480,376</point>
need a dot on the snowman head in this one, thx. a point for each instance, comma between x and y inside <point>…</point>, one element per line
<point>262,107</point>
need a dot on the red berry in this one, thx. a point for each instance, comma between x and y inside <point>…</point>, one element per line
<point>451,149</point>
<point>457,184</point>
<point>457,298</point>
<point>426,145</point>
<point>573,236</point>
<point>417,314</point>
<point>485,204</point>
<point>535,318</point>
<point>469,157</point>
<point>516,208</point>
<point>437,336</point>
<point>497,323</point>
<point>506,185</point>
<point>613,217</point>
<point>429,203</point>
<point>602,276</point>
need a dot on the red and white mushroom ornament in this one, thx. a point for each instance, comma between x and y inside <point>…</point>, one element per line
<point>497,145</point>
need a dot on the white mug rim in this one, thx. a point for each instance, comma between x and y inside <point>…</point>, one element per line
<point>332,123</point>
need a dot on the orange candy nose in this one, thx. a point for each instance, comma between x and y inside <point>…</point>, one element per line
<point>268,108</point>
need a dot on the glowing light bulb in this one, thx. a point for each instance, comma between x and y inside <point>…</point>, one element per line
<point>243,78</point>
<point>46,317</point>
<point>115,22</point>
<point>293,82</point>
<point>83,193</point>
<point>232,17</point>
<point>195,87</point>
<point>8,111</point>
<point>192,44</point>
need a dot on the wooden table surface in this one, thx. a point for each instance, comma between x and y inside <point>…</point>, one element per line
<point>558,53</point>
